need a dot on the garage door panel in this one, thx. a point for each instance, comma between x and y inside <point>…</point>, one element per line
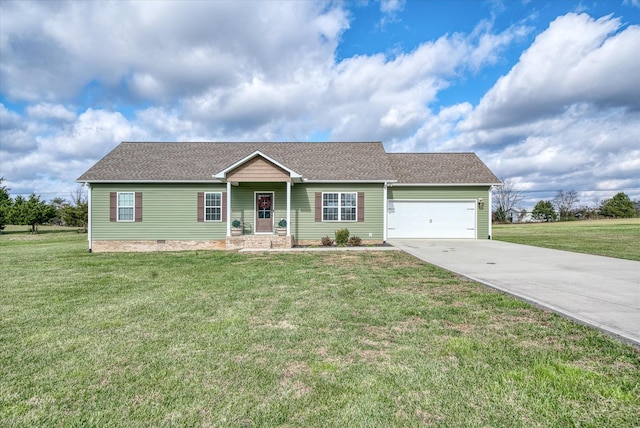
<point>432,219</point>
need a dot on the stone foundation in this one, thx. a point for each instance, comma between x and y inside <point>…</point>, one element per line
<point>231,243</point>
<point>318,242</point>
<point>159,245</point>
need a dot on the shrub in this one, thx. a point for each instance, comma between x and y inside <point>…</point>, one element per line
<point>355,241</point>
<point>342,236</point>
<point>236,223</point>
<point>326,241</point>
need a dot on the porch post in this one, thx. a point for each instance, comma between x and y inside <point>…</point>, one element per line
<point>229,208</point>
<point>89,213</point>
<point>385,209</point>
<point>288,208</point>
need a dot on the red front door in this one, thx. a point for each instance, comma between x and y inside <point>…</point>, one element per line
<point>264,212</point>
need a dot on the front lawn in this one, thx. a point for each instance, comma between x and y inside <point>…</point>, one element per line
<point>304,339</point>
<point>614,238</point>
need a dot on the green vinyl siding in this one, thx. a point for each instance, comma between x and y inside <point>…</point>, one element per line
<point>417,193</point>
<point>305,227</point>
<point>169,211</point>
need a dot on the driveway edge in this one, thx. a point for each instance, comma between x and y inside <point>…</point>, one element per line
<point>622,336</point>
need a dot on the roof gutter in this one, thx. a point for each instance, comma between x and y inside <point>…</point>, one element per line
<point>147,181</point>
<point>444,184</point>
<point>347,181</point>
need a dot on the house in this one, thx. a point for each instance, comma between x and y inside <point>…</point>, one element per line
<point>169,196</point>
<point>518,216</point>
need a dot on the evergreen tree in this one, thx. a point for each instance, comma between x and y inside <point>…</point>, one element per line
<point>544,211</point>
<point>32,212</point>
<point>618,206</point>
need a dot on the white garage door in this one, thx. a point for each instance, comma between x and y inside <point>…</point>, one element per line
<point>432,219</point>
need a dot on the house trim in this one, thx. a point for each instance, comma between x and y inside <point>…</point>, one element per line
<point>222,175</point>
<point>348,181</point>
<point>441,184</point>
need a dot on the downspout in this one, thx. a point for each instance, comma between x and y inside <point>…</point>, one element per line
<point>288,208</point>
<point>229,208</point>
<point>89,215</point>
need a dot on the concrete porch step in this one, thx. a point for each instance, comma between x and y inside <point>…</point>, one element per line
<point>259,242</point>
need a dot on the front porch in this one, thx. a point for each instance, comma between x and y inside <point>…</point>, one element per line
<point>266,242</point>
<point>258,203</point>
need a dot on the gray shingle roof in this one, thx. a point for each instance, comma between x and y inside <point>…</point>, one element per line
<point>199,161</point>
<point>367,161</point>
<point>440,168</point>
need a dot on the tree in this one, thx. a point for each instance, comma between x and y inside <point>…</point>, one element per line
<point>618,206</point>
<point>32,212</point>
<point>564,202</point>
<point>76,213</point>
<point>59,205</point>
<point>504,198</point>
<point>5,205</point>
<point>544,211</point>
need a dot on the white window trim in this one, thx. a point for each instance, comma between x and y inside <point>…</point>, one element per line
<point>133,207</point>
<point>212,206</point>
<point>340,220</point>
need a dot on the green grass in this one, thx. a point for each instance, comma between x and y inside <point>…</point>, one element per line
<point>306,339</point>
<point>613,238</point>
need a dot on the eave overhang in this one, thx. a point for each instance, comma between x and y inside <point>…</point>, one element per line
<point>444,184</point>
<point>144,181</point>
<point>349,181</point>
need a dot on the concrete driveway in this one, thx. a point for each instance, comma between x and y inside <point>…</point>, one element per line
<point>602,292</point>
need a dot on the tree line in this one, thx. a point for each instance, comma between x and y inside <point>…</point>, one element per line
<point>564,206</point>
<point>33,211</point>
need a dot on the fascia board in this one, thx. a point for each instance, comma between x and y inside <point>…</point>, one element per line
<point>348,181</point>
<point>148,181</point>
<point>444,184</point>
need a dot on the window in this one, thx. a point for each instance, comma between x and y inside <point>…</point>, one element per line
<point>126,206</point>
<point>348,206</point>
<point>339,206</point>
<point>213,206</point>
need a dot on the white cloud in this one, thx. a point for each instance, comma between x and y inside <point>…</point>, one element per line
<point>577,59</point>
<point>161,49</point>
<point>50,111</point>
<point>391,7</point>
<point>40,154</point>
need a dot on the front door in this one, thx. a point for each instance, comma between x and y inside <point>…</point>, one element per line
<point>264,212</point>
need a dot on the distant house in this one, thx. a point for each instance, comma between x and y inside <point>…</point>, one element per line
<point>166,196</point>
<point>519,216</point>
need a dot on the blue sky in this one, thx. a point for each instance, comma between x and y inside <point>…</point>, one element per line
<point>547,93</point>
